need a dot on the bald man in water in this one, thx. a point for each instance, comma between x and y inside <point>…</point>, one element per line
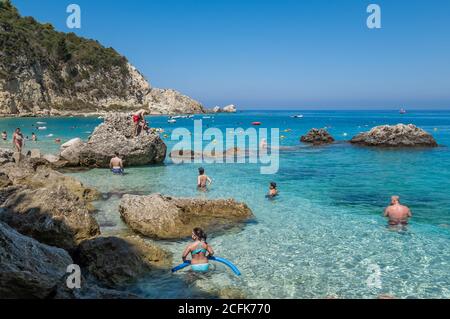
<point>397,213</point>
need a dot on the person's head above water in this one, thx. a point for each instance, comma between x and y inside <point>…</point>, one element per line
<point>273,185</point>
<point>199,234</point>
<point>395,200</point>
<point>201,171</point>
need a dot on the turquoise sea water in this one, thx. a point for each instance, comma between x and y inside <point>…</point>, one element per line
<point>324,234</point>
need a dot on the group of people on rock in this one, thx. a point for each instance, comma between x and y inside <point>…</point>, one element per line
<point>18,139</point>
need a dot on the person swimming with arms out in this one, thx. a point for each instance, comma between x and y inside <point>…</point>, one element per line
<point>200,250</point>
<point>397,213</point>
<point>116,164</point>
<point>273,191</point>
<point>203,180</point>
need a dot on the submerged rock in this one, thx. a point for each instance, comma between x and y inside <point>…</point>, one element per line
<point>317,137</point>
<point>29,269</point>
<point>116,134</point>
<point>117,261</point>
<point>53,216</point>
<point>165,217</point>
<point>399,135</point>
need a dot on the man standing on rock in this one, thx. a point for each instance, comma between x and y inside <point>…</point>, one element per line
<point>397,213</point>
<point>116,164</point>
<point>138,120</point>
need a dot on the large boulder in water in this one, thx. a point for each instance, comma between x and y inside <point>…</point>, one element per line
<point>52,215</point>
<point>399,135</point>
<point>165,217</point>
<point>29,269</point>
<point>317,137</point>
<point>115,261</point>
<point>116,134</point>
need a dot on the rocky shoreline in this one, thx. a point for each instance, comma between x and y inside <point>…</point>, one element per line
<point>47,223</point>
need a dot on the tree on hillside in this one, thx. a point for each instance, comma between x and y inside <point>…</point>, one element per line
<point>62,53</point>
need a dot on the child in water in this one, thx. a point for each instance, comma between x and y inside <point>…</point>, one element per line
<point>273,191</point>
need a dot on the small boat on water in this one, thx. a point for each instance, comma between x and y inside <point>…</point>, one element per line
<point>41,128</point>
<point>402,111</point>
<point>171,121</point>
<point>41,123</point>
<point>297,116</point>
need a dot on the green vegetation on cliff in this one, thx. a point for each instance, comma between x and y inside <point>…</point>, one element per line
<point>24,36</point>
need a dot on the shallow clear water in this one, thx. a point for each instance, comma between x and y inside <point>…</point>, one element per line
<point>323,234</point>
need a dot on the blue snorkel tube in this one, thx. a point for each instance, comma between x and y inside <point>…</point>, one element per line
<point>228,263</point>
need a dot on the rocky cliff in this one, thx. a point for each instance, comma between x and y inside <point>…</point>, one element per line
<point>45,72</point>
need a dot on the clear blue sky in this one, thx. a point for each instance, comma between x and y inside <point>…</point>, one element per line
<point>276,54</point>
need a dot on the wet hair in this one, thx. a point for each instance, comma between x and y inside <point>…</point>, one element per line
<point>201,171</point>
<point>200,234</point>
<point>116,154</point>
<point>4,132</point>
<point>273,184</point>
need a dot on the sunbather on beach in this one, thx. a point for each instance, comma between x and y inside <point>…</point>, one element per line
<point>397,213</point>
<point>116,164</point>
<point>203,180</point>
<point>200,250</point>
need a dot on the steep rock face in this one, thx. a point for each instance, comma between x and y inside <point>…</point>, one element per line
<point>165,217</point>
<point>29,269</point>
<point>399,135</point>
<point>45,72</point>
<point>116,135</point>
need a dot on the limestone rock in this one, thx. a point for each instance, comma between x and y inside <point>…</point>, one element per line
<point>116,135</point>
<point>317,137</point>
<point>399,135</point>
<point>165,217</point>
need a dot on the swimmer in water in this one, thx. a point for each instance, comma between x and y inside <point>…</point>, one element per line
<point>33,137</point>
<point>116,164</point>
<point>273,191</point>
<point>200,250</point>
<point>203,180</point>
<point>4,136</point>
<point>397,213</point>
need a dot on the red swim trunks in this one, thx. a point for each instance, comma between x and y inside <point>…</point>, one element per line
<point>136,118</point>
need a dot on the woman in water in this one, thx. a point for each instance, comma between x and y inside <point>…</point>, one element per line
<point>18,140</point>
<point>203,180</point>
<point>200,250</point>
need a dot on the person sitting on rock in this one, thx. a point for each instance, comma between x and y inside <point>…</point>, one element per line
<point>398,214</point>
<point>18,140</point>
<point>273,191</point>
<point>116,164</point>
<point>138,119</point>
<point>200,250</point>
<point>203,179</point>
